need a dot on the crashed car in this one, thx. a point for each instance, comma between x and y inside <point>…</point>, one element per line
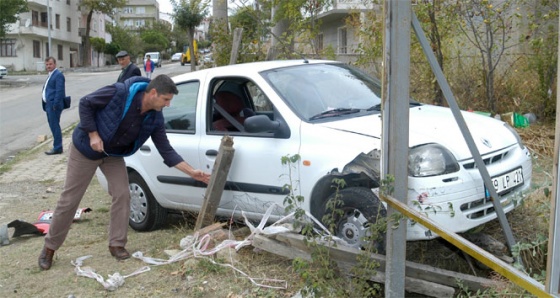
<point>328,113</point>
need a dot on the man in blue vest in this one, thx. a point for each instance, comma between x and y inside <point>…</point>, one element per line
<point>114,122</point>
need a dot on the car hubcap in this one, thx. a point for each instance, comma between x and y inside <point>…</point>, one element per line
<point>138,203</point>
<point>353,228</point>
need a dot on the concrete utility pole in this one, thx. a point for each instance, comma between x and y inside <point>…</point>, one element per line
<point>396,82</point>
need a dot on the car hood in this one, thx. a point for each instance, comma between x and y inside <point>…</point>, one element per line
<point>433,124</point>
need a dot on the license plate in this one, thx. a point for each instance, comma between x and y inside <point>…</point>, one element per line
<point>507,181</point>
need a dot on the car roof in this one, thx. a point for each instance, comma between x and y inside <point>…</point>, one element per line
<point>245,68</point>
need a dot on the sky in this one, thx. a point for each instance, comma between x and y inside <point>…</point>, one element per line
<point>165,7</point>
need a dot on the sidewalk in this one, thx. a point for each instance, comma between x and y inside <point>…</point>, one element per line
<point>38,166</point>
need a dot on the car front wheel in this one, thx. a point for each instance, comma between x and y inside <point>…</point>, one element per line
<point>146,214</point>
<point>351,212</point>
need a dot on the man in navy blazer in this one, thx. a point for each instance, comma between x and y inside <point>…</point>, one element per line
<point>53,103</point>
<point>129,69</point>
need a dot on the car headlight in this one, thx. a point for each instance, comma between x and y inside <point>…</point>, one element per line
<point>430,160</point>
<point>515,134</point>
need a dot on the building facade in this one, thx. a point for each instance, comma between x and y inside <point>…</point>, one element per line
<point>137,13</point>
<point>26,44</point>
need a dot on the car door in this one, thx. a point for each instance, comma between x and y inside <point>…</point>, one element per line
<point>171,187</point>
<point>256,178</point>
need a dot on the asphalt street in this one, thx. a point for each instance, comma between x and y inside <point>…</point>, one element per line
<point>22,120</point>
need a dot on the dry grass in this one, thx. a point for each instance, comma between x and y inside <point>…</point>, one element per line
<point>20,275</point>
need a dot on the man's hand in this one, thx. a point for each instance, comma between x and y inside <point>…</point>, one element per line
<point>95,141</point>
<point>195,174</point>
<point>201,176</point>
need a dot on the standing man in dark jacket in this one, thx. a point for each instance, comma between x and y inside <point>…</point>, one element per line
<point>129,69</point>
<point>53,95</point>
<point>114,122</point>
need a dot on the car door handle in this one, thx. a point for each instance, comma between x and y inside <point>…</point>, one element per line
<point>145,148</point>
<point>212,152</point>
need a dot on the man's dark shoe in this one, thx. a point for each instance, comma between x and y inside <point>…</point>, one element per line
<point>53,152</point>
<point>45,259</point>
<point>120,253</point>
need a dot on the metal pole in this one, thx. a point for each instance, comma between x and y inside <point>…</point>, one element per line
<point>396,95</point>
<point>552,282</point>
<point>49,26</point>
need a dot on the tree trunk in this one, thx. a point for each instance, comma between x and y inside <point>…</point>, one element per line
<point>87,43</point>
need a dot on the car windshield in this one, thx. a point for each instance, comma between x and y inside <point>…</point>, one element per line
<point>326,91</point>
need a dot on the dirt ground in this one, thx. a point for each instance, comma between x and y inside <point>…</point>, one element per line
<point>196,277</point>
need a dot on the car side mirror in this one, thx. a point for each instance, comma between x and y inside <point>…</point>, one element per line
<point>260,123</point>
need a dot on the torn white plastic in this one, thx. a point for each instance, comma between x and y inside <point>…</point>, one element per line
<point>112,283</point>
<point>198,248</point>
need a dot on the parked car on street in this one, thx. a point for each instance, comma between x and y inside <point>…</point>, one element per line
<point>328,113</point>
<point>3,71</point>
<point>176,57</point>
<point>154,56</point>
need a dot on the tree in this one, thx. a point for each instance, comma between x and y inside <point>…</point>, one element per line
<point>101,6</point>
<point>99,45</point>
<point>187,16</point>
<point>9,10</point>
<point>437,20</point>
<point>126,40</point>
<point>489,28</point>
<point>154,41</point>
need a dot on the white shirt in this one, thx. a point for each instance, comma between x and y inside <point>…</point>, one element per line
<point>46,82</point>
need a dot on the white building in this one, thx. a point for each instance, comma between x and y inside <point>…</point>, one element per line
<point>26,45</point>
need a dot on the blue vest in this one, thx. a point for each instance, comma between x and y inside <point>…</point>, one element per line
<point>109,118</point>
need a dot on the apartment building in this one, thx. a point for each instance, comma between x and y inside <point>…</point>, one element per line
<point>137,13</point>
<point>26,45</point>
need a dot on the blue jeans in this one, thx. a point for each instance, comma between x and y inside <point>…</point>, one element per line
<point>53,117</point>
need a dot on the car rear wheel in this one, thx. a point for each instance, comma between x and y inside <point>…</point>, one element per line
<point>359,209</point>
<point>146,214</point>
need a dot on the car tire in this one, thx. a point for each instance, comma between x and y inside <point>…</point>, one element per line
<point>146,214</point>
<point>360,208</point>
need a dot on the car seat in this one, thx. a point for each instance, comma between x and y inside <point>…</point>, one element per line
<point>232,105</point>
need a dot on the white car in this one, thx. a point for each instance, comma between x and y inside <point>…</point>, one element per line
<point>3,71</point>
<point>176,57</point>
<point>329,114</point>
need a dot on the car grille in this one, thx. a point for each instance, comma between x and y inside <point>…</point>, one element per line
<point>482,208</point>
<point>487,160</point>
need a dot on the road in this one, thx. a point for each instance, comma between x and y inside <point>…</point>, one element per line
<point>22,119</point>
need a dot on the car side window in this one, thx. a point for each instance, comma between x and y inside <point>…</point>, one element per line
<point>180,116</point>
<point>261,103</point>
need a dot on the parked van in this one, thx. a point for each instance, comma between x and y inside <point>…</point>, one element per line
<point>154,56</point>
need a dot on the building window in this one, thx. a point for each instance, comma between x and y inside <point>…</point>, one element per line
<point>47,49</point>
<point>128,23</point>
<point>342,40</point>
<point>69,24</point>
<point>36,49</point>
<point>57,21</point>
<point>35,18</point>
<point>60,52</point>
<point>140,23</point>
<point>7,47</point>
<point>127,9</point>
<point>140,9</point>
<point>44,20</point>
